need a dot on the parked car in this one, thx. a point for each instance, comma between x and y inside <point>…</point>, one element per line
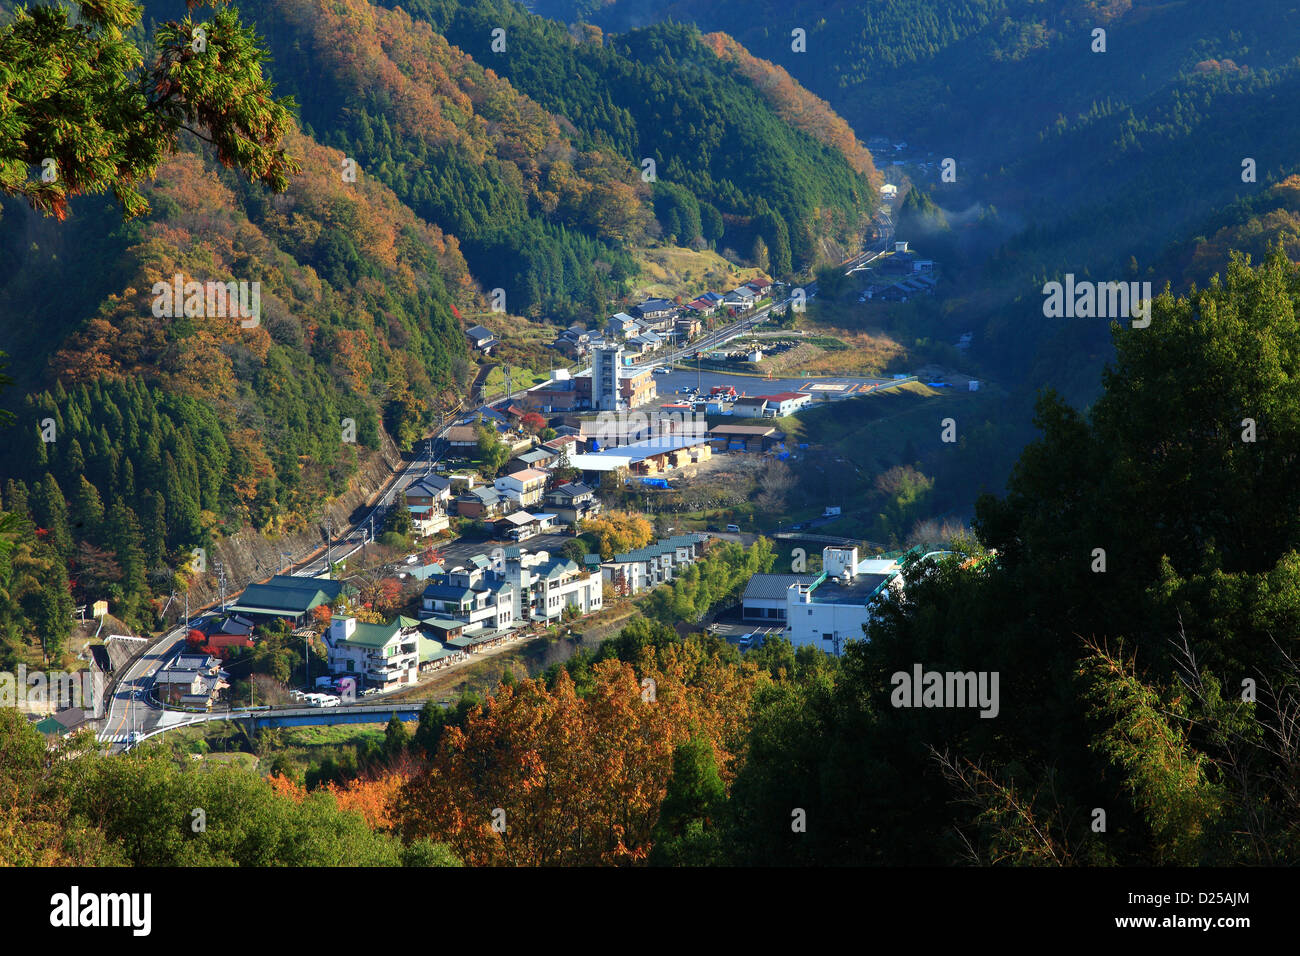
<point>734,528</point>
<point>661,370</point>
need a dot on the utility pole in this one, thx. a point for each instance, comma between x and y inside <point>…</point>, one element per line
<point>329,540</point>
<point>221,585</point>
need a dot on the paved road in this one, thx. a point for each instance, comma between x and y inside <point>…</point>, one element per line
<point>130,708</point>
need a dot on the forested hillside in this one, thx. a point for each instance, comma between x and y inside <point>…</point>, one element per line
<point>533,156</point>
<point>161,432</point>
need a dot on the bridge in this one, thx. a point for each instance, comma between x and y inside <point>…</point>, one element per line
<point>299,717</point>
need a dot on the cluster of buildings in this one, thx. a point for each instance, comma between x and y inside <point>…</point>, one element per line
<point>478,603</point>
<point>652,323</point>
<point>916,277</point>
<point>655,564</point>
<point>487,599</point>
<point>610,384</point>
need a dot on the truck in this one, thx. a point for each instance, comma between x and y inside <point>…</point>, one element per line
<point>831,511</point>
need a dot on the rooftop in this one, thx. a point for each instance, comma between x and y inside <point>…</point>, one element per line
<point>773,587</point>
<point>371,635</point>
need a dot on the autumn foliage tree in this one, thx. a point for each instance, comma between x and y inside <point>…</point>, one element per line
<point>547,777</point>
<point>619,531</point>
<point>76,105</point>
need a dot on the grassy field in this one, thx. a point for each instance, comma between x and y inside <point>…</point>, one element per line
<point>224,742</point>
<point>668,271</point>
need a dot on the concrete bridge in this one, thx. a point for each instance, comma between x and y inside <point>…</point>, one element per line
<point>298,717</point>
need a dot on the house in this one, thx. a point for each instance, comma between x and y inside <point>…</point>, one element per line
<point>576,341</point>
<point>462,439</point>
<point>386,656</point>
<point>760,285</point>
<point>704,305</point>
<point>523,488</point>
<point>286,596</point>
<point>481,340</point>
<point>741,299</point>
<point>430,491</point>
<point>224,645</point>
<point>573,502</point>
<point>755,438</point>
<point>192,680</point>
<point>539,458</point>
<point>621,325</point>
<point>427,499</point>
<point>484,502</point>
<point>63,722</point>
<point>900,262</point>
<point>687,327</point>
<point>750,407</point>
<point>644,342</point>
<point>655,310</point>
<point>521,525</point>
<point>561,443</point>
<point>786,403</point>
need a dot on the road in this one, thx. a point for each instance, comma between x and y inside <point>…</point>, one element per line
<point>127,713</point>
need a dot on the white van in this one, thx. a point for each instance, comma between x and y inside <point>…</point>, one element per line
<point>734,528</point>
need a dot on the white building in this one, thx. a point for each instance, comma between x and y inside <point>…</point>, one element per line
<point>384,655</point>
<point>544,586</point>
<point>524,488</point>
<point>605,363</point>
<point>825,610</point>
<point>473,594</point>
<point>652,565</point>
